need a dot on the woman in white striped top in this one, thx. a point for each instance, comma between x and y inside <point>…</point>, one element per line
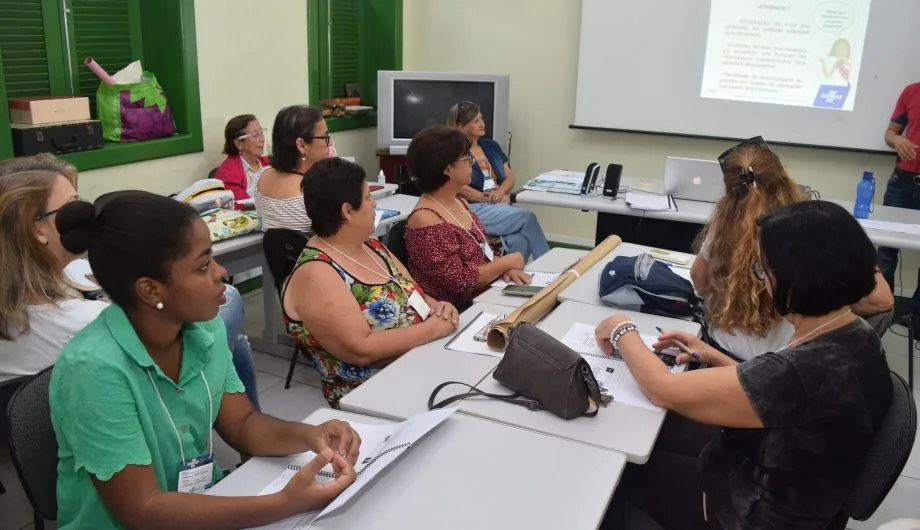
<point>300,138</point>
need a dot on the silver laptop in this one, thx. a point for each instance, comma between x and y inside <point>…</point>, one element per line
<point>692,179</point>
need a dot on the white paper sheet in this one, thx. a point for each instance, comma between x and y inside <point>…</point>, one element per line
<point>79,272</point>
<point>647,201</point>
<point>381,445</point>
<point>465,341</point>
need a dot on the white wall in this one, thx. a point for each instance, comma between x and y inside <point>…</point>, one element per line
<point>252,58</point>
<point>537,43</point>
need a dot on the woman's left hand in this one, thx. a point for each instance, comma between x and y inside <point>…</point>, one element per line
<point>517,276</point>
<point>336,435</point>
<point>445,310</point>
<point>497,196</point>
<point>603,330</point>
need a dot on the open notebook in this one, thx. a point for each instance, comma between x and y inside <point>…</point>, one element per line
<point>380,446</point>
<point>611,371</point>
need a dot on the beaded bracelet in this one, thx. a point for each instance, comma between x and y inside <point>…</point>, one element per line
<point>622,329</point>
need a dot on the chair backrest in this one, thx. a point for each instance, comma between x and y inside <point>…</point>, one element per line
<point>282,247</point>
<point>880,322</point>
<point>33,446</point>
<point>396,242</point>
<point>7,389</point>
<point>887,454</point>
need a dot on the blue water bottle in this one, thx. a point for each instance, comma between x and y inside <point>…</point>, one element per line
<point>865,192</point>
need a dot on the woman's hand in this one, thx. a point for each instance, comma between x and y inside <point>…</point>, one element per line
<point>513,260</point>
<point>440,327</point>
<point>517,276</point>
<point>605,328</point>
<point>303,493</point>
<point>335,435</point>
<point>497,195</point>
<point>703,352</point>
<point>446,311</point>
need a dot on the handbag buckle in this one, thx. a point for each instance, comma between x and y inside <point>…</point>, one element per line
<point>533,405</point>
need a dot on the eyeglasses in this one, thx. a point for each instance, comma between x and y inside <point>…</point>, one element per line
<point>327,138</point>
<point>466,158</point>
<point>756,141</point>
<point>757,269</point>
<point>46,215</point>
<point>257,134</point>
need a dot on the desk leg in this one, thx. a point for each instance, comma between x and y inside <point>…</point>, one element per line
<point>660,233</point>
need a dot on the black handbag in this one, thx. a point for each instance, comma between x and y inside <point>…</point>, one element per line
<point>544,375</point>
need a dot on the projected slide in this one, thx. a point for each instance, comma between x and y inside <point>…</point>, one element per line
<point>804,53</point>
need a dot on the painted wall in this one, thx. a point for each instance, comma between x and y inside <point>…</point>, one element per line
<point>251,59</point>
<point>537,43</point>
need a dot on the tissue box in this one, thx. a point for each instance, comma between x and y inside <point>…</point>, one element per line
<point>50,109</point>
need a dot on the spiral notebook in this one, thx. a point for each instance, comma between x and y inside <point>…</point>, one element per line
<point>611,371</point>
<point>381,445</point>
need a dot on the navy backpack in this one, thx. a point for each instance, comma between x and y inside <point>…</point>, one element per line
<point>644,284</point>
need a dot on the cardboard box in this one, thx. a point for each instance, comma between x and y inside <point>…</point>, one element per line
<point>50,109</point>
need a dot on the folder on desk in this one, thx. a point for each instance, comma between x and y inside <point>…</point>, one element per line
<point>557,181</point>
<point>640,200</point>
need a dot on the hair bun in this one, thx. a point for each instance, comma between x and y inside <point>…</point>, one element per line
<point>75,222</point>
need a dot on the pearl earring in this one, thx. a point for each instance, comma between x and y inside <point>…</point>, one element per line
<point>160,306</point>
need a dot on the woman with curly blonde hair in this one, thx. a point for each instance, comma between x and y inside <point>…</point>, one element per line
<point>739,310</point>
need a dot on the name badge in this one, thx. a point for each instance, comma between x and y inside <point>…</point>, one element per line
<point>487,184</point>
<point>487,250</point>
<point>195,474</point>
<point>419,304</point>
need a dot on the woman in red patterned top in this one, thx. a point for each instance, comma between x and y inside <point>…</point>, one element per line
<point>449,253</point>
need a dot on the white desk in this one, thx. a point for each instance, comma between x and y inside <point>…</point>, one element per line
<point>401,390</point>
<point>695,212</point>
<point>584,289</point>
<point>623,428</point>
<point>467,473</point>
<point>556,260</point>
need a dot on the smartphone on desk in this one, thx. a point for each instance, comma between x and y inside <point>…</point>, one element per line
<point>521,290</point>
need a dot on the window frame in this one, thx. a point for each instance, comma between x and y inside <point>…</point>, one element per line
<point>171,52</point>
<point>318,69</point>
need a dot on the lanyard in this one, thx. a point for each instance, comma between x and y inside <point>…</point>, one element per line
<point>368,269</point>
<point>173,423</point>
<point>472,223</point>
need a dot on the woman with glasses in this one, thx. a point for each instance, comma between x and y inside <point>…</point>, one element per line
<point>449,252</point>
<point>244,143</point>
<point>300,138</point>
<point>793,425</point>
<point>490,187</point>
<point>739,311</point>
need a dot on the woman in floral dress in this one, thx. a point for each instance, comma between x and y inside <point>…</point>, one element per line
<point>349,302</point>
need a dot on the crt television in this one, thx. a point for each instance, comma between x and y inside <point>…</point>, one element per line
<point>410,101</point>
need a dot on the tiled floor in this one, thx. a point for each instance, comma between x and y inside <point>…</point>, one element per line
<point>305,396</point>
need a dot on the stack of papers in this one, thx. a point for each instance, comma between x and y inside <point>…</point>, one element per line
<point>557,181</point>
<point>472,338</point>
<point>889,226</point>
<point>648,201</point>
<point>381,445</point>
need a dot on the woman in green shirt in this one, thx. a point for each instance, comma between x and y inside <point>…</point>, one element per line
<point>135,395</point>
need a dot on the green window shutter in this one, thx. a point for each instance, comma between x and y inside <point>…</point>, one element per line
<point>346,57</point>
<point>23,49</point>
<point>109,32</point>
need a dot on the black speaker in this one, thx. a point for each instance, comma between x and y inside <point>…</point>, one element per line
<point>587,185</point>
<point>612,180</point>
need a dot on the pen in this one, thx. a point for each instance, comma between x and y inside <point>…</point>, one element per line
<point>682,346</point>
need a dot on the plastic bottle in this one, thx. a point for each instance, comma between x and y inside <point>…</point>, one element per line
<point>865,192</point>
<point>381,178</point>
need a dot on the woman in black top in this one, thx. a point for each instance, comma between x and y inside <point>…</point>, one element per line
<point>796,423</point>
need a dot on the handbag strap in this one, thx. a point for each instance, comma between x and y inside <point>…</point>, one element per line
<point>510,398</point>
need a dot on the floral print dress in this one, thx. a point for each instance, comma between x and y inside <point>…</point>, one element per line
<point>385,306</point>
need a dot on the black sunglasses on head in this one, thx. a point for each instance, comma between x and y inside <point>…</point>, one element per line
<point>756,141</point>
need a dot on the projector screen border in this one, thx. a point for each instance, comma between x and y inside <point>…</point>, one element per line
<point>730,139</point>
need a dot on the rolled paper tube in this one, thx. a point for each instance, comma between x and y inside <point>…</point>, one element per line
<point>543,302</point>
<point>98,71</point>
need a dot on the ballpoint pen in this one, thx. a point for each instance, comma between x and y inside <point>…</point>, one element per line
<point>683,347</point>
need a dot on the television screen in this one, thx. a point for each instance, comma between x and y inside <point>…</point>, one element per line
<point>420,103</point>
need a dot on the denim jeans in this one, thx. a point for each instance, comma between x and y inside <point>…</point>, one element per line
<point>518,227</point>
<point>232,315</point>
<point>901,192</point>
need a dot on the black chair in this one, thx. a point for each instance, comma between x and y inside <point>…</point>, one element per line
<point>396,241</point>
<point>886,457</point>
<point>282,247</point>
<point>33,446</point>
<point>7,389</point>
